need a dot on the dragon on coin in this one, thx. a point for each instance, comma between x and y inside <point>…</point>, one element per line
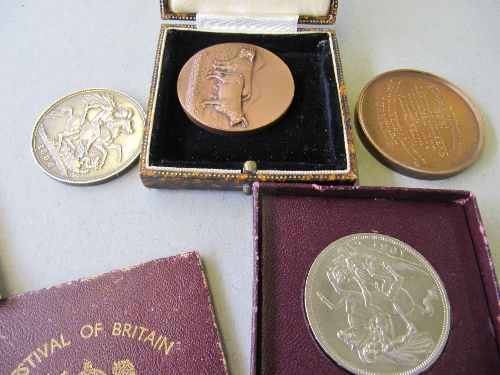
<point>84,131</point>
<point>372,293</point>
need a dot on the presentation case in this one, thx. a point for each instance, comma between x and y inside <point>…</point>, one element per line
<point>293,223</point>
<point>312,142</point>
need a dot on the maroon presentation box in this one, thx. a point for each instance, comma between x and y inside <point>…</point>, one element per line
<point>151,318</point>
<point>293,223</point>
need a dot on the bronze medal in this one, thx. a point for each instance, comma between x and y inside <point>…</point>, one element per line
<point>420,124</point>
<point>235,88</point>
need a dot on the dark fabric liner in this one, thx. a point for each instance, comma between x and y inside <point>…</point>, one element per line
<point>308,137</point>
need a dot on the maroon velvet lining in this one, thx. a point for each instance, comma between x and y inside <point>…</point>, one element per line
<point>294,229</point>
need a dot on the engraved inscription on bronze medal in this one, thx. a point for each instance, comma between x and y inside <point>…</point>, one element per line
<point>426,119</point>
<point>420,123</point>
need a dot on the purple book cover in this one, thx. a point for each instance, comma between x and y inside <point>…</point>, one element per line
<point>151,318</point>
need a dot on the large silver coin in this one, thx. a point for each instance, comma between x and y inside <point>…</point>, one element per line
<point>89,136</point>
<point>376,306</point>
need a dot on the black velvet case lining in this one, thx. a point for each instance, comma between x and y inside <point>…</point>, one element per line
<point>310,136</point>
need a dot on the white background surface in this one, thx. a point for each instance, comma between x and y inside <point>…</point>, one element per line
<point>52,233</point>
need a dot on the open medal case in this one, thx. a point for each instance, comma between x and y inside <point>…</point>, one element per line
<point>293,223</point>
<point>312,142</point>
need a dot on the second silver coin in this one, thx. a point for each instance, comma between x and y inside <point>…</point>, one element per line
<point>376,306</point>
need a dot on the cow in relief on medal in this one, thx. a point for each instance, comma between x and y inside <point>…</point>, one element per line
<point>234,86</point>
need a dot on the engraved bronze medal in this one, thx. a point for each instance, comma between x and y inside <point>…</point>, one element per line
<point>377,306</point>
<point>235,88</point>
<point>420,124</point>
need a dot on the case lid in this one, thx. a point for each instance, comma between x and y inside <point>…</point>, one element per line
<point>309,11</point>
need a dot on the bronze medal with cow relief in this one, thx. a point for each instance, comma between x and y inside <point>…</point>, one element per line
<point>89,136</point>
<point>235,88</point>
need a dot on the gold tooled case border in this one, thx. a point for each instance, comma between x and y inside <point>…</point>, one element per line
<point>161,178</point>
<point>329,19</point>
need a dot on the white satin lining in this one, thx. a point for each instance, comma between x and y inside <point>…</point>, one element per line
<point>253,7</point>
<point>248,24</point>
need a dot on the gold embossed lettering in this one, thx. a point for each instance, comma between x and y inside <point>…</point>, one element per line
<point>143,329</point>
<point>45,351</point>
<point>135,330</point>
<point>167,345</point>
<point>151,337</point>
<point>28,359</point>
<point>126,329</point>
<point>53,345</point>
<point>117,329</point>
<point>157,341</point>
<point>21,370</point>
<point>97,328</point>
<point>140,333</point>
<point>86,331</point>
<point>64,342</point>
<point>37,357</point>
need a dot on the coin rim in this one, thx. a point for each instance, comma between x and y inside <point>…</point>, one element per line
<point>443,339</point>
<point>98,180</point>
<point>419,172</point>
<point>233,131</point>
